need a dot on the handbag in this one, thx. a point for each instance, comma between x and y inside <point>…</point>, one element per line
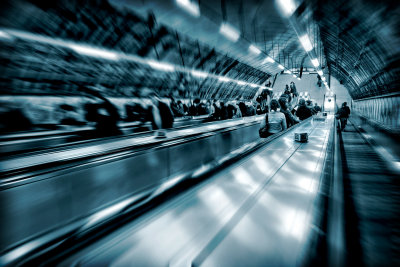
<point>263,131</point>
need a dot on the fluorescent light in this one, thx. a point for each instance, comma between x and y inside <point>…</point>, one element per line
<point>223,79</point>
<point>287,7</point>
<point>254,49</point>
<point>320,73</point>
<point>324,79</point>
<point>305,41</point>
<point>160,65</point>
<point>241,83</point>
<point>315,62</point>
<point>268,59</point>
<point>190,6</point>
<point>289,72</point>
<point>229,32</point>
<point>200,74</point>
<point>298,78</point>
<point>93,52</point>
<point>4,35</point>
<point>254,85</point>
<point>294,76</point>
<point>281,67</point>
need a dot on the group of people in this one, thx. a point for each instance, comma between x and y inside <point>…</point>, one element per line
<point>216,110</point>
<point>284,112</point>
<point>105,116</point>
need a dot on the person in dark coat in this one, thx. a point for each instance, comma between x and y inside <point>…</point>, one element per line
<point>224,111</point>
<point>343,114</point>
<point>103,113</point>
<point>290,119</point>
<point>159,113</point>
<point>303,112</point>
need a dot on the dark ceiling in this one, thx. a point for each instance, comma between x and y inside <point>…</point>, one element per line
<point>362,43</point>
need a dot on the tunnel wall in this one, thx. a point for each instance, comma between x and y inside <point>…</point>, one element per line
<point>342,94</point>
<point>383,111</point>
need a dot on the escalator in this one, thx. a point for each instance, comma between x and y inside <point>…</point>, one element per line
<point>371,201</point>
<point>233,184</point>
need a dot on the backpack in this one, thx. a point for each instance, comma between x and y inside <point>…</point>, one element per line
<point>263,131</point>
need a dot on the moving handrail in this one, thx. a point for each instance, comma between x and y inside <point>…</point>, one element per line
<point>28,142</point>
<point>22,167</point>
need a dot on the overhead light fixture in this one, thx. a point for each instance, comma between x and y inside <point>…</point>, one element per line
<point>289,72</point>
<point>287,7</point>
<point>305,41</point>
<point>269,59</point>
<point>294,76</point>
<point>4,35</point>
<point>93,52</point>
<point>281,67</point>
<point>253,85</point>
<point>190,6</point>
<point>320,73</point>
<point>241,83</point>
<point>229,32</point>
<point>254,49</point>
<point>160,65</point>
<point>223,79</point>
<point>200,74</point>
<point>315,62</point>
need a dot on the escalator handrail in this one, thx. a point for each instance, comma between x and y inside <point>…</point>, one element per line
<point>22,171</point>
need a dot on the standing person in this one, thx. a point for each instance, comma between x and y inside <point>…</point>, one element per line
<point>343,114</point>
<point>224,111</point>
<point>104,114</point>
<point>290,119</point>
<point>303,112</point>
<point>160,114</point>
<point>293,91</point>
<point>287,95</point>
<point>276,120</point>
<point>316,107</point>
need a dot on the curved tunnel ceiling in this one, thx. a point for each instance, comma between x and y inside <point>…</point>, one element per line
<point>355,41</point>
<point>362,43</point>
